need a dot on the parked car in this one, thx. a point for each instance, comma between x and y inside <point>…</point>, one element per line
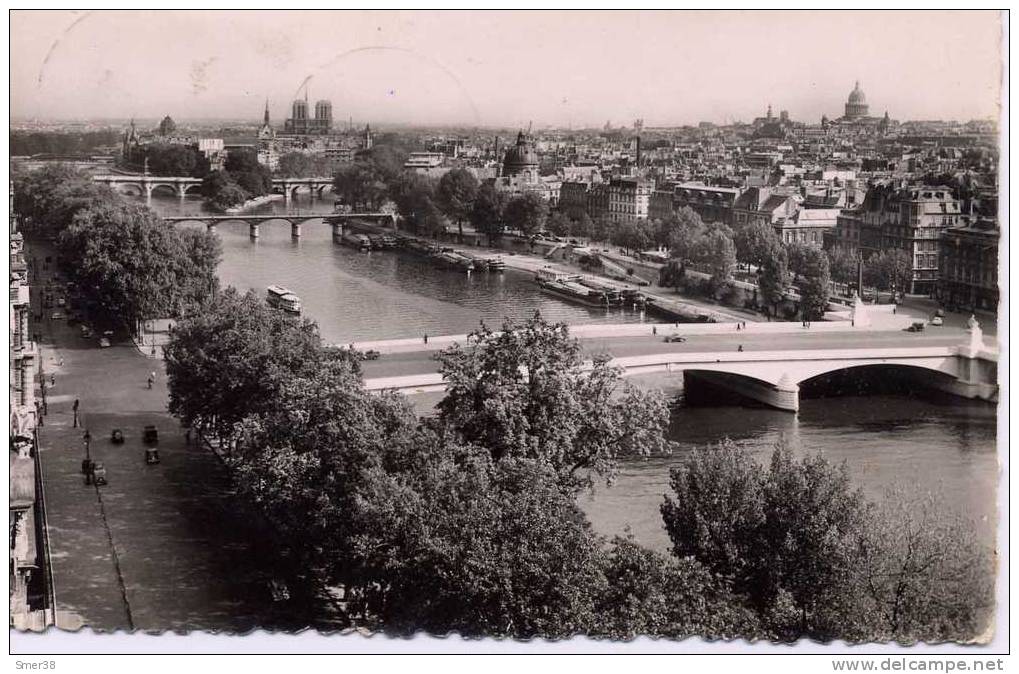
<point>103,343</point>
<point>57,315</point>
<point>916,327</point>
<point>150,435</point>
<point>117,436</point>
<point>675,338</point>
<point>151,456</point>
<point>937,320</point>
<point>98,474</point>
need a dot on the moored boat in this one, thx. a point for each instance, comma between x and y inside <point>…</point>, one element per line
<point>355,240</point>
<point>281,298</point>
<point>575,292</point>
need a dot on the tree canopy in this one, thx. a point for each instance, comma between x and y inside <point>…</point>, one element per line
<point>522,393</point>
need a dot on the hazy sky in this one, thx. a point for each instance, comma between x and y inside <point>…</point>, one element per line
<point>504,68</point>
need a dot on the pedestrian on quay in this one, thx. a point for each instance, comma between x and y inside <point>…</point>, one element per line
<point>38,412</point>
<point>150,381</point>
<point>426,338</point>
<point>740,348</point>
<point>654,330</point>
<point>74,408</point>
<point>738,327</point>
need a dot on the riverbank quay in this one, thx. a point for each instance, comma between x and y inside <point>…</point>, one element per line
<point>160,547</point>
<point>665,299</point>
<point>254,203</point>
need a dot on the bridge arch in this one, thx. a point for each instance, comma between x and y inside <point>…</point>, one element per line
<point>165,189</point>
<point>192,190</point>
<point>129,189</point>
<point>945,365</point>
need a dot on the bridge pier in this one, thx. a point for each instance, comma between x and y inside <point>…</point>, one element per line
<point>210,227</point>
<point>295,230</point>
<point>782,396</point>
<point>253,230</point>
<point>148,193</point>
<point>337,231</point>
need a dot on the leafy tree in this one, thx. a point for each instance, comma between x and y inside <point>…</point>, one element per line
<point>889,269</point>
<point>480,547</point>
<point>815,288</point>
<point>455,195</point>
<point>522,393</point>
<point>221,191</point>
<point>789,538</point>
<point>303,165</point>
<point>928,577</point>
<point>559,224</point>
<point>243,167</point>
<point>232,356</point>
<point>680,232</point>
<point>633,235</point>
<point>754,241</point>
<point>166,159</point>
<point>773,277</point>
<point>133,265</point>
<point>48,199</point>
<point>717,252</point>
<point>361,184</point>
<point>842,264</point>
<point>489,210</point>
<point>526,213</point>
<point>800,256</point>
<point>647,593</point>
<point>602,228</point>
<point>416,201</point>
<point>388,159</point>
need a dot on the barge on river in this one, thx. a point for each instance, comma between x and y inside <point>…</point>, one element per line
<point>355,240</point>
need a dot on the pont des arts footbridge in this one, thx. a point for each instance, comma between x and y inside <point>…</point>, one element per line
<point>766,362</point>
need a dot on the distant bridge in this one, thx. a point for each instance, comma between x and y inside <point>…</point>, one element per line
<point>181,186</point>
<point>774,377</point>
<point>254,220</point>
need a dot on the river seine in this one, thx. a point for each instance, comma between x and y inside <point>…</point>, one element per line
<point>943,445</point>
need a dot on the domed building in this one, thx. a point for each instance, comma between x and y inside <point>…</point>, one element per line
<point>521,160</point>
<point>856,106</point>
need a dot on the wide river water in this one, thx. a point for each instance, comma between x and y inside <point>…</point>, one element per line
<point>943,445</point>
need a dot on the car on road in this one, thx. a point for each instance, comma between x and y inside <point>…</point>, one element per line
<point>675,338</point>
<point>117,436</point>
<point>937,320</point>
<point>150,435</point>
<point>916,327</point>
<point>58,316</point>
<point>104,343</point>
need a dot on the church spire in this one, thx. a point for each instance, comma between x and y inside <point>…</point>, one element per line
<point>266,118</point>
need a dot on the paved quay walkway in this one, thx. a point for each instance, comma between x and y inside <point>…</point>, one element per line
<point>163,547</point>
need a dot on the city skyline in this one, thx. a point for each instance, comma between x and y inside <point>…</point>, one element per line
<point>497,69</point>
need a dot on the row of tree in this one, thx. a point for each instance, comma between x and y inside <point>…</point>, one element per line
<point>56,142</point>
<point>468,521</point>
<point>128,263</point>
<point>429,205</point>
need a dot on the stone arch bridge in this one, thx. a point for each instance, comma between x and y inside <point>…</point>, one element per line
<point>969,370</point>
<point>254,220</point>
<point>181,186</point>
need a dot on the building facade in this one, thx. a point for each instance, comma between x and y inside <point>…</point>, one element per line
<point>301,124</point>
<point>629,198</point>
<point>969,266</point>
